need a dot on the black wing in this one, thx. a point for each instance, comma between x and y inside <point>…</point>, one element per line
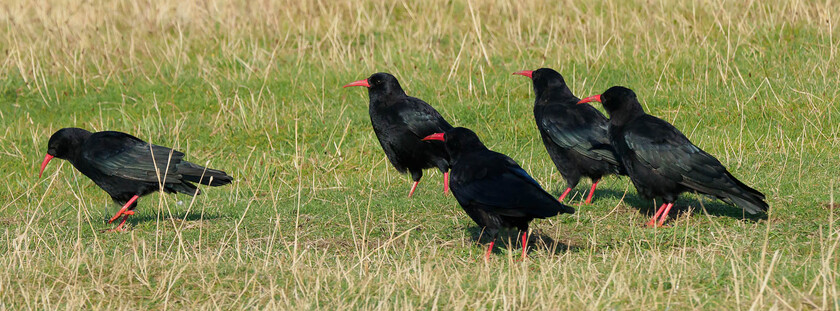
<point>664,149</point>
<point>583,130</point>
<point>122,155</point>
<point>508,190</point>
<point>421,119</point>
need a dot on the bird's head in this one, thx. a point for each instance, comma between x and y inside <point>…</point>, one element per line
<point>617,100</point>
<point>458,140</point>
<point>545,79</point>
<point>63,144</point>
<point>380,82</point>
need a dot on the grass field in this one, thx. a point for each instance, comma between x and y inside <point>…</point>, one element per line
<point>318,219</point>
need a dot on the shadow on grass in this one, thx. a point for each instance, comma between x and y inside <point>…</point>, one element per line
<point>510,239</point>
<point>575,196</point>
<point>694,204</point>
<point>151,216</point>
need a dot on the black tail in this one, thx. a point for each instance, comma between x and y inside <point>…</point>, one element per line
<point>566,209</point>
<point>549,210</point>
<point>749,199</point>
<point>205,176</point>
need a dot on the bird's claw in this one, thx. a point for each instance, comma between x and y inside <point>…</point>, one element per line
<point>656,225</point>
<point>115,230</point>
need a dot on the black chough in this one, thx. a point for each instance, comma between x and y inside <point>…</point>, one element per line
<point>663,163</point>
<point>128,168</point>
<point>493,189</point>
<point>400,122</point>
<point>575,136</point>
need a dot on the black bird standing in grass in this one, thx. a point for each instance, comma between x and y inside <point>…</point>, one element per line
<point>663,163</point>
<point>400,123</point>
<point>575,136</point>
<point>495,191</point>
<point>127,167</point>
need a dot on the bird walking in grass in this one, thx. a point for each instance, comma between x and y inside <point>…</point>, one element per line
<point>493,189</point>
<point>663,163</point>
<point>128,168</point>
<point>575,136</point>
<point>400,122</point>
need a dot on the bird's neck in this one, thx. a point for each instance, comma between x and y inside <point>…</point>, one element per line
<point>384,99</point>
<point>555,95</point>
<point>462,151</point>
<point>622,117</point>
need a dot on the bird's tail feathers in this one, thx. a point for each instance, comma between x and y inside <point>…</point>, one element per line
<point>751,204</point>
<point>551,210</point>
<point>745,197</point>
<point>205,176</point>
<point>183,187</point>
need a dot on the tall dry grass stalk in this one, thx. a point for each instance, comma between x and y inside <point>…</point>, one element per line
<point>317,219</point>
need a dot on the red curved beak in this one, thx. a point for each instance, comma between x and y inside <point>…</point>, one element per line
<point>527,73</point>
<point>435,136</point>
<point>47,159</point>
<point>363,82</point>
<point>593,98</point>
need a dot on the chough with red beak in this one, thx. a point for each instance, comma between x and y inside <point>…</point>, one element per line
<point>128,168</point>
<point>493,189</point>
<point>400,122</point>
<point>663,163</point>
<point>575,136</point>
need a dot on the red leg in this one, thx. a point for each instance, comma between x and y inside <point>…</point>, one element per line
<point>524,245</point>
<point>665,213</point>
<point>123,209</point>
<point>565,193</point>
<point>413,187</point>
<point>446,183</point>
<point>119,227</point>
<point>652,221</point>
<point>489,250</point>
<point>592,191</point>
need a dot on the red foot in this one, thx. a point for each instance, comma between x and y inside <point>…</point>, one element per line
<point>446,183</point>
<point>413,187</point>
<point>524,245</point>
<point>652,221</point>
<point>489,250</point>
<point>119,227</point>
<point>592,191</point>
<point>124,209</point>
<point>565,193</point>
<point>665,214</point>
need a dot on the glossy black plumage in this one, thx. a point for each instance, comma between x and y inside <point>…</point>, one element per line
<point>575,136</point>
<point>662,162</point>
<point>400,122</point>
<point>125,166</point>
<point>492,188</point>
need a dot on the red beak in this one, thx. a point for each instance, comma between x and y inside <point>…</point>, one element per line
<point>435,136</point>
<point>593,98</point>
<point>527,73</point>
<point>363,82</point>
<point>47,159</point>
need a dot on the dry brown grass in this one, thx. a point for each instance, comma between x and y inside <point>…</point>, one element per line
<point>318,220</point>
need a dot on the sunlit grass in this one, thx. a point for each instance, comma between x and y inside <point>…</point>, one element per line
<point>317,217</point>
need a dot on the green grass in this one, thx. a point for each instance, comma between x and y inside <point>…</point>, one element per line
<point>319,219</point>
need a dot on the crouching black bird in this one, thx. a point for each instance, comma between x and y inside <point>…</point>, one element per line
<point>575,136</point>
<point>494,191</point>
<point>400,123</point>
<point>128,168</point>
<point>663,163</point>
